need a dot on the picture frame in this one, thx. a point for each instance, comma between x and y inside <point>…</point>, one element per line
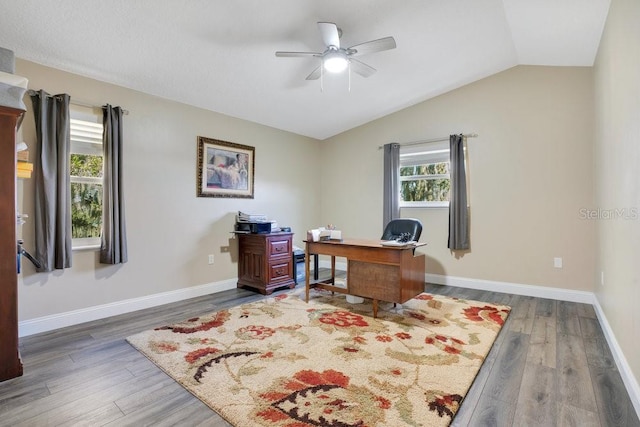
<point>224,169</point>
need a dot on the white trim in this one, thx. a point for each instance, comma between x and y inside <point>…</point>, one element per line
<point>75,317</point>
<point>428,205</point>
<point>84,243</point>
<point>490,285</point>
<point>85,247</point>
<point>513,288</point>
<point>630,382</point>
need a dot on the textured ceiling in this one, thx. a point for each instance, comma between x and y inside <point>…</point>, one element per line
<point>219,55</point>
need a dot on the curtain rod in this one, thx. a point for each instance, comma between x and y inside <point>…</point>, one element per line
<point>88,105</point>
<point>426,141</point>
<point>80,103</point>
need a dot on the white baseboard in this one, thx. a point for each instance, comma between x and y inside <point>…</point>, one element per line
<point>630,382</point>
<point>75,317</point>
<point>490,285</point>
<point>513,288</point>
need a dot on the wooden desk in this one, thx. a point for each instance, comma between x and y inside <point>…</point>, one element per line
<point>387,273</point>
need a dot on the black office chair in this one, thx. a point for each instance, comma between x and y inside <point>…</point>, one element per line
<point>404,229</point>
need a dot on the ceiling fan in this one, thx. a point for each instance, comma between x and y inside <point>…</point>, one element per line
<point>336,59</point>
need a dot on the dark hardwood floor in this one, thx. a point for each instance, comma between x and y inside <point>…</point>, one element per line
<point>550,366</point>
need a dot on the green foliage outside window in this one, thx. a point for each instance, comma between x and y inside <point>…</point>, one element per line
<point>84,165</point>
<point>86,196</point>
<point>428,183</point>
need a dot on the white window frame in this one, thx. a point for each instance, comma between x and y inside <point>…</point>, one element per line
<point>434,152</point>
<point>86,138</point>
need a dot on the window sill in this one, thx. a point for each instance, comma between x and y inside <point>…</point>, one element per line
<point>86,248</point>
<point>443,205</point>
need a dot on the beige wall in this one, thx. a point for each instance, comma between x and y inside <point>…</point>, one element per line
<point>617,150</point>
<point>170,230</point>
<point>530,174</point>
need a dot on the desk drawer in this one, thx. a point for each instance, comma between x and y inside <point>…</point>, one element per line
<point>279,247</point>
<point>281,269</point>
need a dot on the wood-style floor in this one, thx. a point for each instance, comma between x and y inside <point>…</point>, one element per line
<point>550,366</point>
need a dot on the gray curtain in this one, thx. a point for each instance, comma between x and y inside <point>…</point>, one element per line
<point>52,212</point>
<point>458,213</point>
<point>113,247</point>
<point>391,184</point>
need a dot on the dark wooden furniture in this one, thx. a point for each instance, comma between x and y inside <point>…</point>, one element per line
<point>10,363</point>
<point>386,273</point>
<point>265,261</point>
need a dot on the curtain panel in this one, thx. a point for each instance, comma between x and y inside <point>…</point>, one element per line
<point>458,212</point>
<point>113,247</point>
<point>52,211</point>
<point>391,183</point>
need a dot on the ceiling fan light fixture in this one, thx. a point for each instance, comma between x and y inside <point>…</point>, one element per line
<point>335,62</point>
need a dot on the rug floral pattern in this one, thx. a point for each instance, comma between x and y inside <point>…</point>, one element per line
<point>286,363</point>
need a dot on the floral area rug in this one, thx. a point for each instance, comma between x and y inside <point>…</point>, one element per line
<point>283,362</point>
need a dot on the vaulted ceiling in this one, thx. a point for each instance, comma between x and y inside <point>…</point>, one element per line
<point>220,55</point>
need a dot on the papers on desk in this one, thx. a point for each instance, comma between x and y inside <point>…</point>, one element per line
<point>247,217</point>
<point>397,243</point>
<point>322,233</point>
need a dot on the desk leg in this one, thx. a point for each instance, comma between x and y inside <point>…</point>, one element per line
<point>306,274</point>
<point>375,308</point>
<point>333,270</point>
<point>316,266</point>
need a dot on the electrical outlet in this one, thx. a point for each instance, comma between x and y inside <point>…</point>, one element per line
<point>602,278</point>
<point>210,258</point>
<point>557,262</point>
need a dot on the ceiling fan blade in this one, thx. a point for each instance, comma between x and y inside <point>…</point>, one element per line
<point>385,43</point>
<point>361,68</point>
<point>315,74</point>
<point>329,33</point>
<point>296,54</point>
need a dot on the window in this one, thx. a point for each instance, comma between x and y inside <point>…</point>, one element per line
<point>86,179</point>
<point>424,175</point>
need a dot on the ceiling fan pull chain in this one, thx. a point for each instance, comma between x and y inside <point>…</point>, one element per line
<point>349,65</point>
<point>322,77</point>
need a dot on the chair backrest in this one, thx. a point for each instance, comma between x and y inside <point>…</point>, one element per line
<point>396,227</point>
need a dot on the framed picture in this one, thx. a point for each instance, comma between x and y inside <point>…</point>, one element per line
<point>225,169</point>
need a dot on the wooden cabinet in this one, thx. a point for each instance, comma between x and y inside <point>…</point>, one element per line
<point>265,261</point>
<point>10,363</point>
